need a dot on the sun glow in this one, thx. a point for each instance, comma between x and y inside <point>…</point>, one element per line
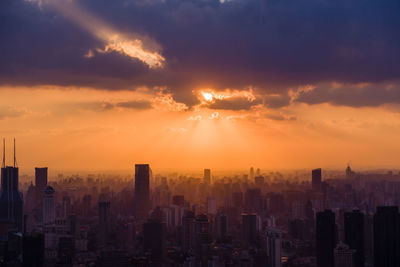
<point>207,96</point>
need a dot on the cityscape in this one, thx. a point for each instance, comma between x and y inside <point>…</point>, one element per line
<point>300,219</point>
<point>200,133</point>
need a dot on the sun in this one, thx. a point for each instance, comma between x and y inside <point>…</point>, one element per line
<point>207,96</point>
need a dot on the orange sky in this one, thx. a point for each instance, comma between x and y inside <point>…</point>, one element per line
<point>86,129</point>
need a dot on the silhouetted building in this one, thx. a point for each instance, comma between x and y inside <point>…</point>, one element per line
<point>387,237</point>
<point>207,176</point>
<point>41,178</point>
<point>221,225</point>
<point>87,204</point>
<point>316,179</point>
<point>203,238</point>
<point>178,200</point>
<point>66,250</point>
<point>33,250</point>
<point>154,238</point>
<point>249,229</point>
<point>11,203</point>
<point>104,222</point>
<point>142,190</point>
<point>274,247</point>
<point>354,235</point>
<point>326,238</point>
<point>188,231</point>
<point>253,200</point>
<point>49,206</point>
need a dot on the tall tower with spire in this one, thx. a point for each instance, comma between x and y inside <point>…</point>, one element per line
<point>11,202</point>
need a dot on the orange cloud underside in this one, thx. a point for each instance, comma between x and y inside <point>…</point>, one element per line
<point>71,128</point>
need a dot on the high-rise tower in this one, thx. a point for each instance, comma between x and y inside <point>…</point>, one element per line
<point>326,238</point>
<point>142,191</point>
<point>11,203</point>
<point>316,179</point>
<point>207,176</point>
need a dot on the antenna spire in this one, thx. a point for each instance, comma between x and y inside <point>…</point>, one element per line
<point>15,159</point>
<point>4,153</point>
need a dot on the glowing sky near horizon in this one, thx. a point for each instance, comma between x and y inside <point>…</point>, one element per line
<point>102,85</point>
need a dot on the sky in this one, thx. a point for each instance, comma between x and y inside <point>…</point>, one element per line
<point>192,84</point>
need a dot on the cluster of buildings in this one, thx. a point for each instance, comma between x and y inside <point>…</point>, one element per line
<point>256,219</point>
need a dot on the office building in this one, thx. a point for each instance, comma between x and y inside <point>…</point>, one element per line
<point>49,206</point>
<point>326,238</point>
<point>354,235</point>
<point>316,179</point>
<point>387,237</point>
<point>207,176</point>
<point>142,191</point>
<point>249,229</point>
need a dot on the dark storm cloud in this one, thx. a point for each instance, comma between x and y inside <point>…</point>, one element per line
<point>371,95</point>
<point>268,44</point>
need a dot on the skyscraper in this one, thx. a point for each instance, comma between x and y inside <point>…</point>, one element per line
<point>154,238</point>
<point>11,203</point>
<point>188,231</point>
<point>207,176</point>
<point>326,238</point>
<point>316,179</point>
<point>354,235</point>
<point>274,246</point>
<point>221,225</point>
<point>104,221</point>
<point>142,191</point>
<point>249,229</point>
<point>49,206</point>
<point>387,237</point>
<point>41,178</point>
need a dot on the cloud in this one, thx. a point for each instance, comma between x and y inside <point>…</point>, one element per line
<point>113,40</point>
<point>11,112</point>
<point>354,95</point>
<point>270,46</point>
<point>135,104</point>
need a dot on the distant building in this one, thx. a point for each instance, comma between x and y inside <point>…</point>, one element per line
<point>104,222</point>
<point>343,256</point>
<point>221,225</point>
<point>188,231</point>
<point>207,176</point>
<point>387,237</point>
<point>49,206</point>
<point>203,237</point>
<point>274,247</point>
<point>349,172</point>
<point>41,178</point>
<point>211,205</point>
<point>154,240</point>
<point>326,238</point>
<point>316,179</point>
<point>142,190</point>
<point>178,200</point>
<point>251,174</point>
<point>249,229</point>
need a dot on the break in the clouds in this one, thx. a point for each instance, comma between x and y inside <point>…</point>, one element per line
<point>269,45</point>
